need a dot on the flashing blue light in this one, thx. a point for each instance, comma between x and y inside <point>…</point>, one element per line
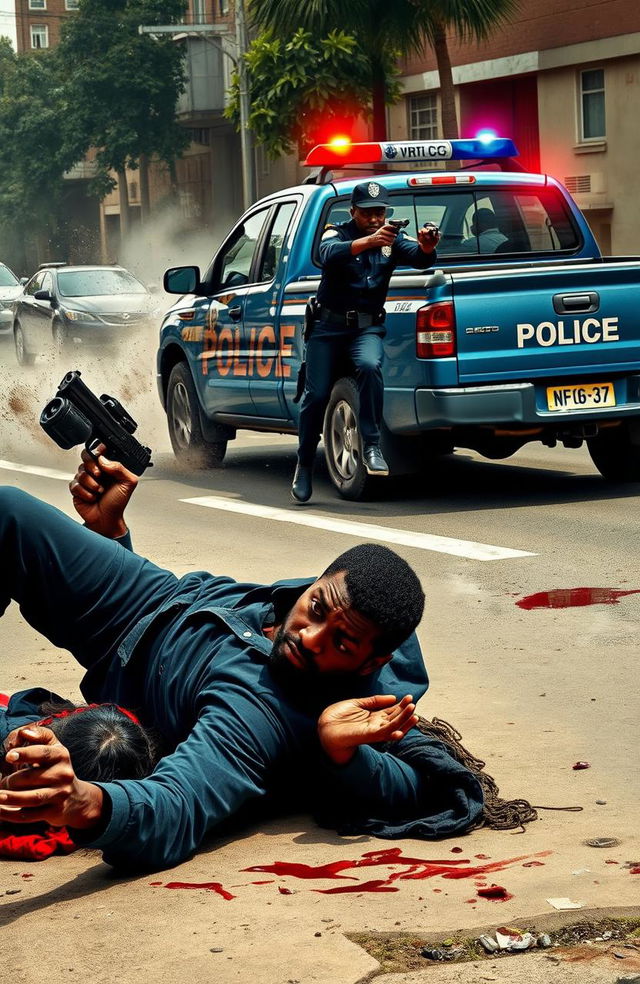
<point>486,136</point>
<point>485,145</point>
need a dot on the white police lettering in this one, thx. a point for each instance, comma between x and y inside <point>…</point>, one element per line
<point>574,332</point>
<point>428,150</point>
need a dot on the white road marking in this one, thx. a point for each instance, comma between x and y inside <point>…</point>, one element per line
<point>36,470</point>
<point>364,531</point>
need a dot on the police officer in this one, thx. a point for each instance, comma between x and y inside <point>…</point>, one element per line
<point>358,259</point>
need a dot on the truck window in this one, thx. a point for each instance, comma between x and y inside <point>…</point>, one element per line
<point>236,260</point>
<point>273,249</point>
<point>518,221</point>
<point>450,212</point>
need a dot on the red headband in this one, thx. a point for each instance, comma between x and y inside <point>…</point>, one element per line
<point>87,707</point>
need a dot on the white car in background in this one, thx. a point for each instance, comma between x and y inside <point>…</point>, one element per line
<point>10,288</point>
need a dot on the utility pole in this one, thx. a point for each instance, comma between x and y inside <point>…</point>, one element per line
<point>246,143</point>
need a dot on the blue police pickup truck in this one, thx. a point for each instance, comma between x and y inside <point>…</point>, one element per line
<point>522,332</point>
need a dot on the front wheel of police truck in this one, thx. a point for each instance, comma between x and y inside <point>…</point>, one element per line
<point>185,429</point>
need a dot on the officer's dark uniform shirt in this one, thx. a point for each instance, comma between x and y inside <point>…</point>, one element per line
<point>360,283</point>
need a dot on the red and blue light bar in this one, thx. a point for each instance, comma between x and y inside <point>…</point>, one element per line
<point>341,152</point>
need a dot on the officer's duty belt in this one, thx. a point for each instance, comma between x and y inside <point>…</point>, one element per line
<point>365,318</point>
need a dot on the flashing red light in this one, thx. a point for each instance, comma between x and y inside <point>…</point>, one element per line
<point>436,331</point>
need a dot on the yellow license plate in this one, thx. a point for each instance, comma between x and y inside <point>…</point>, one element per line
<point>582,396</point>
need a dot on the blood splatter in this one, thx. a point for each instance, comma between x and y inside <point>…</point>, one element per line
<point>495,893</point>
<point>533,864</point>
<point>635,870</point>
<point>208,886</point>
<point>573,598</point>
<point>456,850</point>
<point>378,885</point>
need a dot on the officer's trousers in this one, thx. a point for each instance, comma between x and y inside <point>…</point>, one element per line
<point>80,590</point>
<point>328,348</point>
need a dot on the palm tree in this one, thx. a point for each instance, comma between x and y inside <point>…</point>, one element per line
<point>469,20</point>
<point>387,29</point>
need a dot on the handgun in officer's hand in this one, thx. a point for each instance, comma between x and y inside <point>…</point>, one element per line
<point>398,224</point>
<point>76,416</point>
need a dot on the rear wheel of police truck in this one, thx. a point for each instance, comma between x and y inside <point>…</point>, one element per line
<point>185,429</point>
<point>343,441</point>
<point>615,451</point>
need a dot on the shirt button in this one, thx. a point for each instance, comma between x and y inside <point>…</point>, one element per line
<point>247,634</point>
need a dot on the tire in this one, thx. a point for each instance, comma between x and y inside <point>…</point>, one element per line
<point>616,454</point>
<point>183,417</point>
<point>343,441</point>
<point>23,356</point>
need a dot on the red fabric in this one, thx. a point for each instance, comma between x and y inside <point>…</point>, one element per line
<point>35,847</point>
<point>87,707</point>
<point>4,700</point>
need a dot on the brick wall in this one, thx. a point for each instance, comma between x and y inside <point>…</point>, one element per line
<point>540,25</point>
<point>52,17</point>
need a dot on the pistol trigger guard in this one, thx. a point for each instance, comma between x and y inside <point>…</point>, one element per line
<point>90,448</point>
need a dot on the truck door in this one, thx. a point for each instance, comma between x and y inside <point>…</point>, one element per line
<point>225,351</point>
<point>269,340</point>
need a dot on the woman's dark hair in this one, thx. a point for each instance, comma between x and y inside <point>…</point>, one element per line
<point>103,741</point>
<point>385,589</point>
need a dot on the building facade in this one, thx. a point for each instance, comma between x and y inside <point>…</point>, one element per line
<point>38,22</point>
<point>564,82</point>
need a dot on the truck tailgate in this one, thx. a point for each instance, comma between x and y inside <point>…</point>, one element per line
<point>523,323</point>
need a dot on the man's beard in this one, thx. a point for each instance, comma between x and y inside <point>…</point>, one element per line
<point>307,684</point>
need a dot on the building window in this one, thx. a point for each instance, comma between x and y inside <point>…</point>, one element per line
<point>592,104</point>
<point>198,12</point>
<point>224,7</point>
<point>39,36</point>
<point>71,4</point>
<point>423,117</point>
<point>37,4</point>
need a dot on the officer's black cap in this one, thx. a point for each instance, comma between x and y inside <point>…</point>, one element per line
<point>369,194</point>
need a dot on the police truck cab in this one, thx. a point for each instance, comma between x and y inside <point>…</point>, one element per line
<point>529,334</point>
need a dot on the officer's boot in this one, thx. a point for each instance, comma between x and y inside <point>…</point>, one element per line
<point>301,486</point>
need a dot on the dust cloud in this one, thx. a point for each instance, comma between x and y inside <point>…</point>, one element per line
<point>127,374</point>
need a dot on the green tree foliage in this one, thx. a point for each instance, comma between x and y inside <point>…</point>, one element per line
<point>122,86</point>
<point>295,83</point>
<point>33,153</point>
<point>383,28</point>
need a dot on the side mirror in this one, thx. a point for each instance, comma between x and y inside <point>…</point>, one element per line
<point>182,280</point>
<point>42,295</point>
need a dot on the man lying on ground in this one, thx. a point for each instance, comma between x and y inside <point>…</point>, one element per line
<point>234,678</point>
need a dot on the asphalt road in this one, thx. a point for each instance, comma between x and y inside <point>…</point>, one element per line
<point>531,691</point>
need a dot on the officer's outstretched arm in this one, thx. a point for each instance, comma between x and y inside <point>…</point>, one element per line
<point>101,491</point>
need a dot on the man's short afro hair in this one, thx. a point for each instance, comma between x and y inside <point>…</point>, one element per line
<point>384,588</point>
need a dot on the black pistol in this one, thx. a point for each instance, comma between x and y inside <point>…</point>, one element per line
<point>77,416</point>
<point>398,224</point>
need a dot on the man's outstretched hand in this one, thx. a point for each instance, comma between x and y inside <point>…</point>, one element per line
<point>364,721</point>
<point>42,786</point>
<point>101,491</point>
